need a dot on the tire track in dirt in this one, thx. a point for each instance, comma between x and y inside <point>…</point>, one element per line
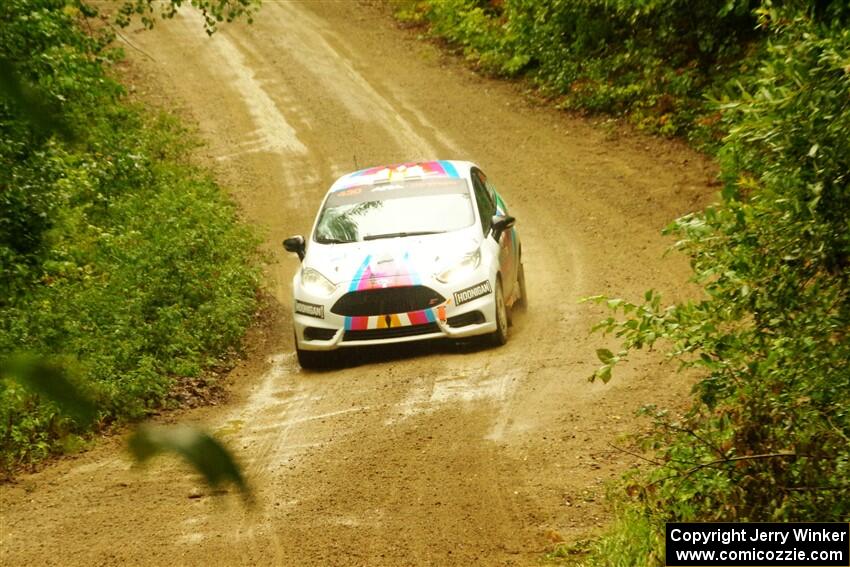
<point>369,104</point>
<point>422,454</point>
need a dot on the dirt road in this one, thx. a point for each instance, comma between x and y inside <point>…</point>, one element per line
<point>432,455</point>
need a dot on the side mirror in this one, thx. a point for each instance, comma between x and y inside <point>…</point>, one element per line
<point>500,224</point>
<point>296,245</point>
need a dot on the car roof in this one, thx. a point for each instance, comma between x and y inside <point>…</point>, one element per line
<point>410,170</point>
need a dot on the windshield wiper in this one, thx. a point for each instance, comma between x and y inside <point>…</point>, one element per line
<point>331,240</point>
<point>401,234</point>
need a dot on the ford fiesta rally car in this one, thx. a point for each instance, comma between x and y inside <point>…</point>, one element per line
<point>402,253</point>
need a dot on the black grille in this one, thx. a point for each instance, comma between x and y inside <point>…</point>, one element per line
<point>471,318</point>
<point>386,301</point>
<point>318,334</point>
<point>391,333</point>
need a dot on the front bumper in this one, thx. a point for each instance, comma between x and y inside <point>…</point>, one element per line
<point>330,331</point>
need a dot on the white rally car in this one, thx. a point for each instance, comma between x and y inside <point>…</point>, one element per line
<point>406,252</point>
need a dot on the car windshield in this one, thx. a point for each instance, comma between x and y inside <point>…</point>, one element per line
<point>389,210</point>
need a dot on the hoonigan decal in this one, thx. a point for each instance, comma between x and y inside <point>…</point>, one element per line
<point>441,168</point>
<point>310,309</point>
<point>473,292</point>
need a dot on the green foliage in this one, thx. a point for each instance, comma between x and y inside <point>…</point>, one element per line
<point>768,435</point>
<point>649,60</point>
<point>655,62</point>
<point>43,117</point>
<point>635,538</point>
<point>213,11</point>
<point>116,255</point>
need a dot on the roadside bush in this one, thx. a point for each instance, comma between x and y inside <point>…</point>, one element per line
<point>766,85</point>
<point>768,435</point>
<point>118,257</point>
<point>650,61</point>
<point>774,259</point>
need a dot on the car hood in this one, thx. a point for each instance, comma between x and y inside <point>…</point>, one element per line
<point>390,262</point>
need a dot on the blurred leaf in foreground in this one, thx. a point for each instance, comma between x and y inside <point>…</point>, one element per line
<point>50,380</point>
<point>201,450</point>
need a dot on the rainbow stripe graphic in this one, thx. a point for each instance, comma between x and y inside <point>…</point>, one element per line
<point>400,171</point>
<point>396,319</point>
<point>394,274</point>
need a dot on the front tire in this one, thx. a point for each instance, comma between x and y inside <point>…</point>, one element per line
<point>521,303</point>
<point>314,359</point>
<point>311,359</point>
<point>500,335</point>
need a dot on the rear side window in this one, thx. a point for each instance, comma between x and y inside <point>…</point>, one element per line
<point>501,208</point>
<point>483,199</point>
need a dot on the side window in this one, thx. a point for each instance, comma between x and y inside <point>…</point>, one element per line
<point>501,209</point>
<point>484,200</point>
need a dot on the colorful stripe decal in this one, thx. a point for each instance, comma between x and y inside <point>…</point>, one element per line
<point>448,168</point>
<point>501,209</point>
<point>418,317</point>
<point>397,273</point>
<point>414,275</point>
<point>356,323</point>
<point>395,319</point>
<point>355,282</point>
<point>441,168</point>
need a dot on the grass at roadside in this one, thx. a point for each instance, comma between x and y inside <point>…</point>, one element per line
<point>120,260</point>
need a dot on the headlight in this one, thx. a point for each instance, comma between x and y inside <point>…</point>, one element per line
<point>462,269</point>
<point>315,283</point>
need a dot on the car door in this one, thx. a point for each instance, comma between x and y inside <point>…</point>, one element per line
<point>490,204</point>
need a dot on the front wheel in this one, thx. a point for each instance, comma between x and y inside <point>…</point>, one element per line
<point>311,359</point>
<point>500,335</point>
<point>314,359</point>
<point>522,301</point>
